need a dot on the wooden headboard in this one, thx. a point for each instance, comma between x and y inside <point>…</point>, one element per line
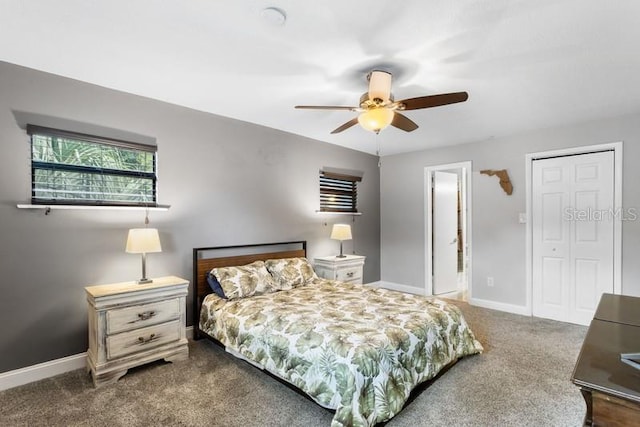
<point>204,260</point>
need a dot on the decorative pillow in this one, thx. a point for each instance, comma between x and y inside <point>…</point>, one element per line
<point>290,272</point>
<point>215,285</point>
<point>244,281</point>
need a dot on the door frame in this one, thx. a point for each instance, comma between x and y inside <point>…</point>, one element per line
<point>467,170</point>
<point>616,147</point>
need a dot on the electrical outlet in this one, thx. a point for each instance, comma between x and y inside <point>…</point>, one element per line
<point>490,281</point>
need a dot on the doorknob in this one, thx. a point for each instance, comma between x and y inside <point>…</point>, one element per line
<point>454,241</point>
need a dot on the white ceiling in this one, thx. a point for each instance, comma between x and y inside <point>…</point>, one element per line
<point>525,64</point>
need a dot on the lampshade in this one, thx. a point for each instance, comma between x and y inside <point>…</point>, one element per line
<point>341,232</point>
<point>143,240</point>
<point>379,85</point>
<point>376,119</point>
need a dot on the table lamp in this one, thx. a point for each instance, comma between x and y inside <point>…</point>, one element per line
<point>143,241</point>
<point>341,232</point>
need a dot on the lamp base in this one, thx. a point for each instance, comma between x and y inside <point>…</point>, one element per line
<point>144,281</point>
<point>341,255</point>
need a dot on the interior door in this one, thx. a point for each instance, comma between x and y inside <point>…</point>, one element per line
<point>573,235</point>
<point>445,232</point>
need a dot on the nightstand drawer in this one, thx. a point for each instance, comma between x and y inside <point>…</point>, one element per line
<point>142,339</point>
<point>348,274</point>
<point>125,319</point>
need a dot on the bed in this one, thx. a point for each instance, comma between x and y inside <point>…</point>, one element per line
<point>354,349</point>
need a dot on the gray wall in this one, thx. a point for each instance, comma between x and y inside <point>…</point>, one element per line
<point>228,182</point>
<point>498,238</point>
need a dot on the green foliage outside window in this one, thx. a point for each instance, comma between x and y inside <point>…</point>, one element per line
<point>70,171</point>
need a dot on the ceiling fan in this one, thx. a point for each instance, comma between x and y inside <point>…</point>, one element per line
<point>378,109</point>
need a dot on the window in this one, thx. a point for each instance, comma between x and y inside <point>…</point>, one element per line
<point>338,192</point>
<point>76,169</point>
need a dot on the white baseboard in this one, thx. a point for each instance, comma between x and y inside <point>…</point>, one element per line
<point>49,369</point>
<point>500,306</point>
<point>397,287</point>
<point>494,305</point>
<point>41,371</point>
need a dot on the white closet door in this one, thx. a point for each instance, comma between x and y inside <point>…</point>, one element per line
<point>572,225</point>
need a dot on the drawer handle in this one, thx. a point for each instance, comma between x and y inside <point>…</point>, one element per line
<point>350,274</point>
<point>146,315</point>
<point>143,340</point>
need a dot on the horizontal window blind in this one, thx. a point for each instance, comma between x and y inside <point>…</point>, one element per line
<point>338,193</point>
<point>74,168</point>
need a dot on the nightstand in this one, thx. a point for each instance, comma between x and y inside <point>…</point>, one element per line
<point>347,269</point>
<point>132,324</point>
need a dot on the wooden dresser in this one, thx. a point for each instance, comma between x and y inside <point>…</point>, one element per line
<point>132,324</point>
<point>611,388</point>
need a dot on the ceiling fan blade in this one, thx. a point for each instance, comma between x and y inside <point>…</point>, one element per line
<point>346,126</point>
<point>403,122</point>
<point>325,107</point>
<point>432,100</point>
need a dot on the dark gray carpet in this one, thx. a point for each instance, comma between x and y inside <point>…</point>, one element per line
<point>521,379</point>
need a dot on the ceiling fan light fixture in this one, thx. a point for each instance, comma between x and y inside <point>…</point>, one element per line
<point>379,86</point>
<point>380,110</point>
<point>376,119</point>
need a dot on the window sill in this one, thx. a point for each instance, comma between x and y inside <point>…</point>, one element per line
<point>339,213</point>
<point>48,208</point>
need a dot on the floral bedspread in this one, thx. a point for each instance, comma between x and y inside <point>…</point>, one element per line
<point>352,348</point>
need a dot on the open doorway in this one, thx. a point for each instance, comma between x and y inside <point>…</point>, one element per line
<point>448,230</point>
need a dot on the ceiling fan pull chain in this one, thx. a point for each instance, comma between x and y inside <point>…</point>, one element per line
<point>378,149</point>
